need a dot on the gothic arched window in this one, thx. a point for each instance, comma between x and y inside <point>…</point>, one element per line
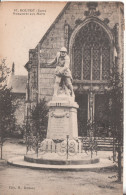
<point>91,53</point>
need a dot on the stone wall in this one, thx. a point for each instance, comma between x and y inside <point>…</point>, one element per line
<point>121,35</point>
<point>20,110</point>
<point>54,39</point>
<point>46,83</point>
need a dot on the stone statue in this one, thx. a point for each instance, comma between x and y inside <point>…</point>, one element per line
<point>63,74</point>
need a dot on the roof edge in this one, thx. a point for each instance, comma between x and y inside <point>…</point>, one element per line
<point>57,18</point>
<point>49,29</point>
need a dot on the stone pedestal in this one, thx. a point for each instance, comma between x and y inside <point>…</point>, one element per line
<point>62,118</point>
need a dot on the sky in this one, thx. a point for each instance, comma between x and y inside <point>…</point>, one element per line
<point>19,33</point>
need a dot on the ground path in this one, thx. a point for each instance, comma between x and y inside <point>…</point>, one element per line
<point>15,181</point>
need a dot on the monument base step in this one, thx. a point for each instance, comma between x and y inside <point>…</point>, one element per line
<point>32,159</point>
<point>102,164</point>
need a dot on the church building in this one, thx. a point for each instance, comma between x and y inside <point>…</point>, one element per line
<point>92,32</point>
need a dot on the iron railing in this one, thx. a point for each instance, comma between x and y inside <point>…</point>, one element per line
<point>63,147</point>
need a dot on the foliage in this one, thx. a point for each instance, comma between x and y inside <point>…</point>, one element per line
<point>4,72</point>
<point>116,110</point>
<point>7,110</point>
<point>39,118</point>
<point>7,118</point>
<point>116,103</point>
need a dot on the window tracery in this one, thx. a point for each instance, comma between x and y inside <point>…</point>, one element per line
<point>91,51</point>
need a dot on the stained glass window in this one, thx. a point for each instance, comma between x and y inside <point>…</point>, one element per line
<point>96,65</point>
<point>105,63</point>
<point>77,63</point>
<point>91,53</point>
<point>86,62</point>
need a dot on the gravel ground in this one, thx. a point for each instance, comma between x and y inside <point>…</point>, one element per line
<point>14,181</point>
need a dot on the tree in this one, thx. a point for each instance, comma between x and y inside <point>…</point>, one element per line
<point>7,118</point>
<point>116,110</point>
<point>39,119</point>
<point>36,125</point>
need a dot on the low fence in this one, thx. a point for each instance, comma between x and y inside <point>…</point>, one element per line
<point>65,147</point>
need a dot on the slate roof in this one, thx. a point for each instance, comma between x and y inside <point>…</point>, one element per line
<point>18,83</point>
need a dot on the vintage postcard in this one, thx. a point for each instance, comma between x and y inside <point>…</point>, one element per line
<point>61,98</point>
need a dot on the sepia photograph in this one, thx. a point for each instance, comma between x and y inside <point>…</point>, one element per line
<point>62,98</point>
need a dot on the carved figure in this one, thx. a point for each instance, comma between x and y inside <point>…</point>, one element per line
<point>62,72</point>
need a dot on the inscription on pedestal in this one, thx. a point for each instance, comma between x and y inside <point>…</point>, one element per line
<point>62,119</point>
<point>59,127</point>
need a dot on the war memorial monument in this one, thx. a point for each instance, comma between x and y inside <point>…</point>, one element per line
<point>62,149</point>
